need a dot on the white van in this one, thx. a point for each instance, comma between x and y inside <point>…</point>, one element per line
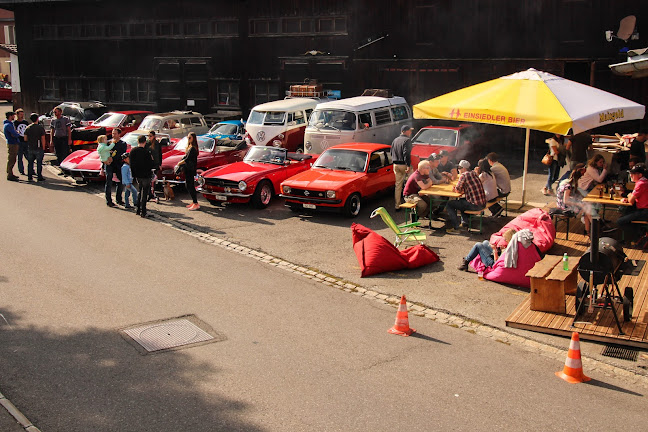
<point>280,123</point>
<point>369,119</point>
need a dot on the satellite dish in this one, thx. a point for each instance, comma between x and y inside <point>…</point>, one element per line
<point>626,30</point>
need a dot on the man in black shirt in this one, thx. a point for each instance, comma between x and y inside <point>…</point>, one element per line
<point>638,146</point>
<point>401,149</point>
<point>141,162</point>
<point>21,124</point>
<point>35,138</point>
<point>115,168</point>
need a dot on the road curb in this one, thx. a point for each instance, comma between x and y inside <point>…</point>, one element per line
<point>17,415</point>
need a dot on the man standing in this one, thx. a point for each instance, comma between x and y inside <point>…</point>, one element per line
<point>474,196</point>
<point>639,200</point>
<point>141,162</point>
<point>115,168</point>
<point>638,146</point>
<point>35,139</point>
<point>401,149</point>
<point>21,124</point>
<point>502,179</point>
<point>61,133</point>
<point>12,138</point>
<point>577,147</point>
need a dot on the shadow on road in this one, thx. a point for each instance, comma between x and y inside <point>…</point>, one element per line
<point>94,380</point>
<point>597,383</point>
<point>428,338</point>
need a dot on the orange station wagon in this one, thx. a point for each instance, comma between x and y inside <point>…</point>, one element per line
<point>341,178</point>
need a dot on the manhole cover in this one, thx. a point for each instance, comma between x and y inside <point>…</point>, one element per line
<point>171,334</point>
<point>620,353</point>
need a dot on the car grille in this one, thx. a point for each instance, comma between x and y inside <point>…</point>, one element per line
<point>221,183</point>
<point>307,193</point>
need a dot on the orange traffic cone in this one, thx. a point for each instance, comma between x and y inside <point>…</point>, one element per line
<point>573,370</point>
<point>401,327</point>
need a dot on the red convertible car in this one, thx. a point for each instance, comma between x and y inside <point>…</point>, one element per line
<point>257,178</point>
<point>212,153</point>
<point>127,121</point>
<point>340,178</point>
<point>85,166</point>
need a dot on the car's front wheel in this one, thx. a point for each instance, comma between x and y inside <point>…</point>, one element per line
<point>352,205</point>
<point>262,195</point>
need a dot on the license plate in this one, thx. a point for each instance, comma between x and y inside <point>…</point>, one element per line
<point>220,197</point>
<point>310,206</point>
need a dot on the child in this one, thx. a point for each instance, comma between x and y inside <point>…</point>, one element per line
<point>104,150</point>
<point>127,180</point>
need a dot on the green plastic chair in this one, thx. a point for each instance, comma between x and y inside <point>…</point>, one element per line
<point>403,233</point>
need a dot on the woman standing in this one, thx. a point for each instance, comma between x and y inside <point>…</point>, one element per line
<point>558,157</point>
<point>190,162</point>
<point>154,146</point>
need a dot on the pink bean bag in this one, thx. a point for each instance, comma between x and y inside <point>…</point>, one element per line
<point>377,255</point>
<point>537,221</point>
<point>514,276</point>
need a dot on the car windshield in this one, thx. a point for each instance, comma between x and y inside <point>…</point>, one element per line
<point>110,120</point>
<point>267,117</point>
<point>151,123</point>
<point>131,139</point>
<point>333,120</point>
<point>272,155</point>
<point>205,144</point>
<point>345,160</point>
<point>441,137</point>
<point>224,129</point>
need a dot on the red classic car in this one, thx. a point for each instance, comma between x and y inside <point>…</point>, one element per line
<point>212,153</point>
<point>5,92</point>
<point>460,141</point>
<point>257,178</point>
<point>84,165</point>
<point>340,178</point>
<point>127,121</point>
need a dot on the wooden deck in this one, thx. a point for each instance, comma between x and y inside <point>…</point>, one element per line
<point>600,325</point>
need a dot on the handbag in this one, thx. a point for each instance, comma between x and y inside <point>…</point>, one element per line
<point>178,169</point>
<point>547,159</point>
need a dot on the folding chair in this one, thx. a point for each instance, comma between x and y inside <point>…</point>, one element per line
<point>403,231</point>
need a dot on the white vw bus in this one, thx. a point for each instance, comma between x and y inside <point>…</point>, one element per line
<point>280,123</point>
<point>370,119</point>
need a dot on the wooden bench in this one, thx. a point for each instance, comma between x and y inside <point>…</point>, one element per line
<point>480,214</point>
<point>409,208</point>
<point>550,283</point>
<point>558,214</point>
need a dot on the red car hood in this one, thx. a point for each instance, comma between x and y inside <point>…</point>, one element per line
<point>172,157</point>
<point>322,179</point>
<point>425,150</point>
<point>238,171</point>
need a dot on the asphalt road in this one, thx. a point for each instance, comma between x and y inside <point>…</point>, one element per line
<point>297,355</point>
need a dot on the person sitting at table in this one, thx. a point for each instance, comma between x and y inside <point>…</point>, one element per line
<point>483,169</point>
<point>624,176</point>
<point>639,203</point>
<point>489,253</point>
<point>594,174</point>
<point>435,175</point>
<point>420,179</point>
<point>446,166</point>
<point>502,178</point>
<point>568,198</point>
<point>474,197</point>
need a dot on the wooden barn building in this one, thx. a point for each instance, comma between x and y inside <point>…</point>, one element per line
<point>227,56</point>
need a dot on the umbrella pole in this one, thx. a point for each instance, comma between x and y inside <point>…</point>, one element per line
<point>526,166</point>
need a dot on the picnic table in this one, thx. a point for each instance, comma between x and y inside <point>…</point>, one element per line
<point>442,192</point>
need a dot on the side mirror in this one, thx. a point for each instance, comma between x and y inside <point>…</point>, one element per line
<point>373,169</point>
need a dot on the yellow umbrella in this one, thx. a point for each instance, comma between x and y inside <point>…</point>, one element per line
<point>532,99</point>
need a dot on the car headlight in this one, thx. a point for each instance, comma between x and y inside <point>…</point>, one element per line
<point>200,180</point>
<point>242,186</point>
<point>286,189</point>
<point>308,146</point>
<point>276,143</point>
<point>281,136</point>
<point>330,194</point>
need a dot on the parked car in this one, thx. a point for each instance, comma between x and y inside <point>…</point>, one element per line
<point>460,141</point>
<point>85,166</point>
<point>127,121</point>
<point>232,129</point>
<point>341,178</point>
<point>80,113</point>
<point>6,91</point>
<point>280,123</point>
<point>212,153</point>
<point>176,124</point>
<point>256,179</point>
